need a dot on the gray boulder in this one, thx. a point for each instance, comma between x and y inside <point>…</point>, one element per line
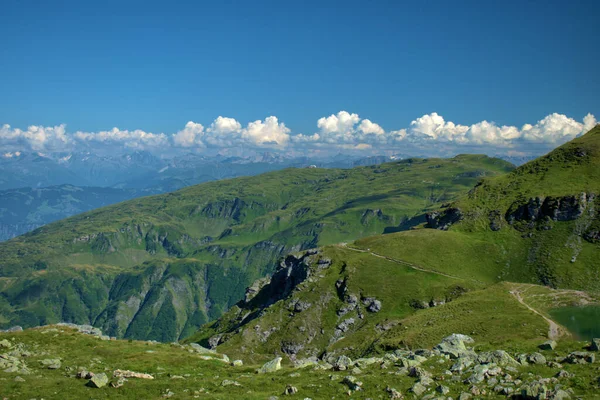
<point>454,346</point>
<point>595,346</point>
<point>548,345</point>
<point>580,357</point>
<point>51,363</point>
<point>98,381</point>
<point>536,358</point>
<point>534,391</point>
<point>498,357</point>
<point>343,363</point>
<point>271,366</point>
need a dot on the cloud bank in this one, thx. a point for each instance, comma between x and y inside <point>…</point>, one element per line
<point>344,131</point>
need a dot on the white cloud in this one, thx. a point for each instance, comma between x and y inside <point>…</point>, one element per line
<point>132,139</point>
<point>366,126</point>
<point>342,123</point>
<point>556,128</point>
<point>35,138</point>
<point>269,132</point>
<point>428,134</point>
<point>190,136</point>
<point>225,125</point>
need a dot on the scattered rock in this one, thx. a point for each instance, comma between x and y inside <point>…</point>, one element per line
<point>271,366</point>
<point>394,394</point>
<point>98,381</point>
<point>548,345</point>
<point>343,363</point>
<point>580,357</point>
<point>534,391</point>
<point>117,384</point>
<point>237,363</point>
<point>498,357</point>
<point>536,358</point>
<point>595,346</point>
<point>83,374</point>
<point>418,389</point>
<point>454,346</point>
<point>201,350</point>
<point>131,374</point>
<point>19,379</point>
<point>352,383</point>
<point>563,374</point>
<point>560,395</point>
<point>290,390</point>
<point>51,363</point>
<point>227,382</point>
<point>442,389</point>
<point>5,344</point>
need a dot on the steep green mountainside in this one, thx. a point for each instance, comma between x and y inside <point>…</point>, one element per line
<point>161,266</point>
<point>24,209</point>
<point>527,237</point>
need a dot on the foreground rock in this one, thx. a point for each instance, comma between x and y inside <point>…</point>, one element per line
<point>131,374</point>
<point>271,366</point>
<point>98,381</point>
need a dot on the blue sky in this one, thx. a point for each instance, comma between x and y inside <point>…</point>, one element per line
<point>154,66</point>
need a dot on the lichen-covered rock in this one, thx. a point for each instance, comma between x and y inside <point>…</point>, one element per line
<point>119,373</point>
<point>394,394</point>
<point>271,366</point>
<point>201,350</point>
<point>353,383</point>
<point>290,390</point>
<point>498,357</point>
<point>418,389</point>
<point>98,381</point>
<point>342,363</point>
<point>454,346</point>
<point>51,363</point>
<point>536,358</point>
<point>580,357</point>
<point>548,345</point>
<point>534,391</point>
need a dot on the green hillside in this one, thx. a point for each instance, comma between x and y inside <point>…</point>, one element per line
<point>161,266</point>
<point>502,257</point>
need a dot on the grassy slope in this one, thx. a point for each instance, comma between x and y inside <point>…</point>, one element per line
<point>203,379</point>
<point>398,287</point>
<point>205,244</point>
<point>478,258</point>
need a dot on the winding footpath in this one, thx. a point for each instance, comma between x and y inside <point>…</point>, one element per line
<point>554,332</point>
<point>405,263</point>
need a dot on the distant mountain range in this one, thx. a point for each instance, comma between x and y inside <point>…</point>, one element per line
<point>36,188</point>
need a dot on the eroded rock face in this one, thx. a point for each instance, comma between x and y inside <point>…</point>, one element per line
<point>567,208</point>
<point>443,220</point>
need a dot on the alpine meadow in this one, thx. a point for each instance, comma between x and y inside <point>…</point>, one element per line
<point>315,200</point>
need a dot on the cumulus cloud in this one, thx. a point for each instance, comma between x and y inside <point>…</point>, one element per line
<point>366,126</point>
<point>131,139</point>
<point>428,134</point>
<point>269,132</point>
<point>190,136</point>
<point>37,138</point>
<point>342,123</point>
<point>225,126</point>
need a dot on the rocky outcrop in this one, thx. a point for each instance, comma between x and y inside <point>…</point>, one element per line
<point>566,208</point>
<point>443,220</point>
